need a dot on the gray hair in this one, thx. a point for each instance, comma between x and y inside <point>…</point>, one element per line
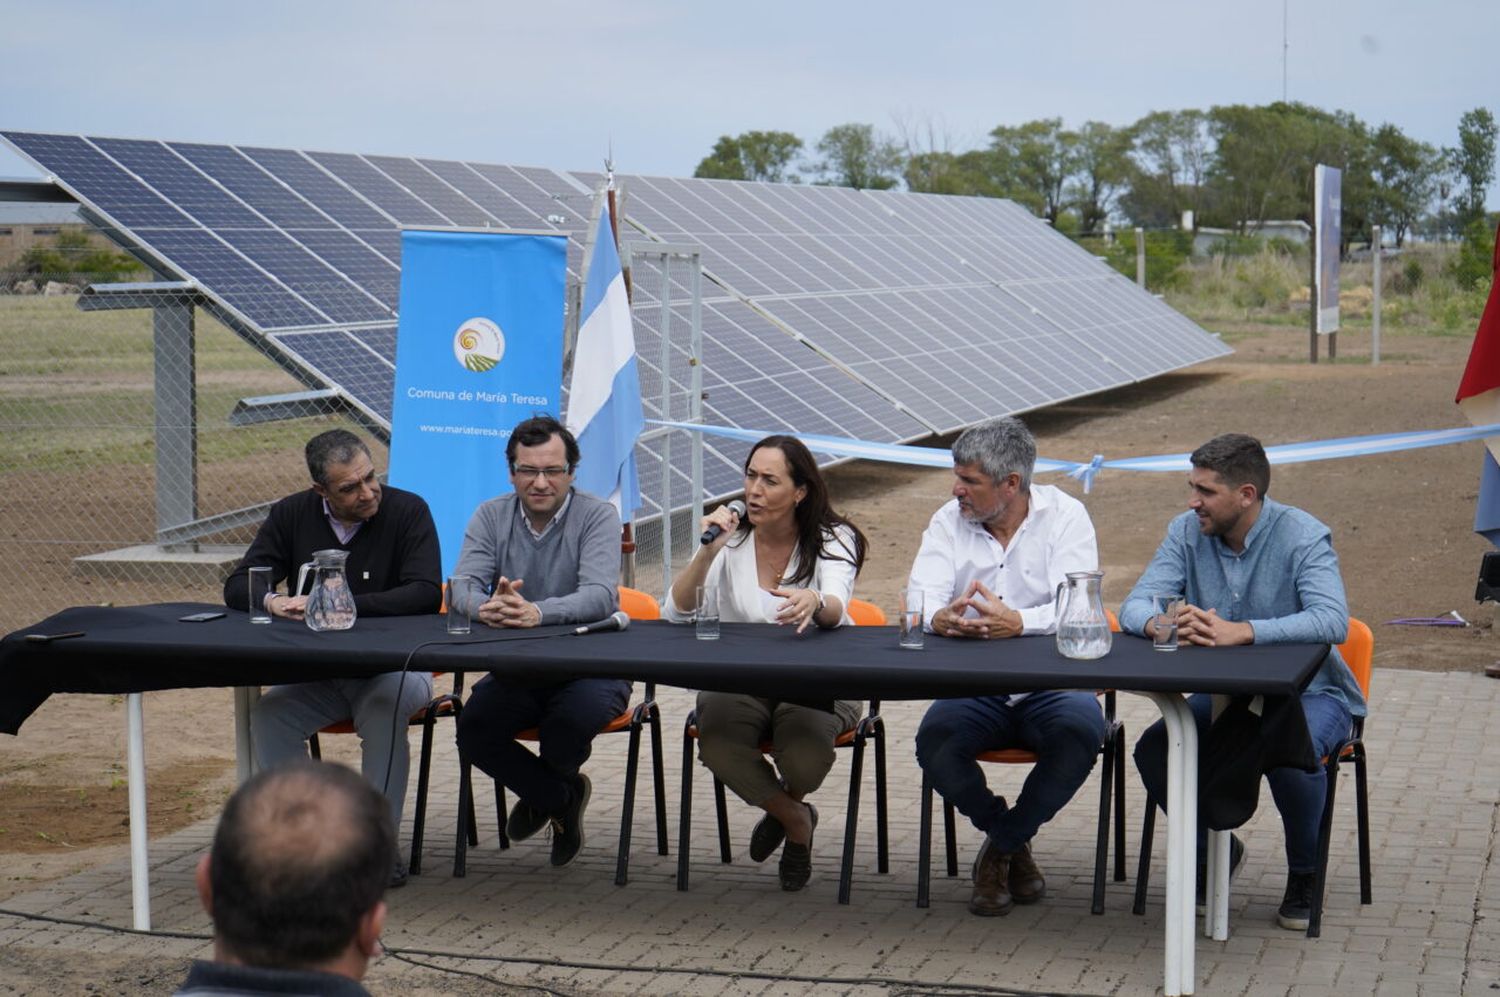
<point>1000,447</point>
<point>337,446</point>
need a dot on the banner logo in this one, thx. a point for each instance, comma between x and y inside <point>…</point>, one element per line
<point>478,345</point>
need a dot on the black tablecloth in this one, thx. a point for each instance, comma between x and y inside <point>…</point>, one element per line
<point>141,648</point>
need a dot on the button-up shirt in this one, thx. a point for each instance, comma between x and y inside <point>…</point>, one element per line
<point>1056,537</point>
<point>1285,583</point>
<point>556,516</point>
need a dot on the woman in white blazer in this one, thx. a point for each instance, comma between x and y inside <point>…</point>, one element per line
<point>791,561</point>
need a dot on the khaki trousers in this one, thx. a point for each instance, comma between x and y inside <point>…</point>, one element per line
<point>732,727</point>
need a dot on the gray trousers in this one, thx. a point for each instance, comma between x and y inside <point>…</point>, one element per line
<point>287,714</point>
<point>732,727</point>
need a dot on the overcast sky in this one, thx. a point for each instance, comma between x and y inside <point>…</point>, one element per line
<point>555,82</point>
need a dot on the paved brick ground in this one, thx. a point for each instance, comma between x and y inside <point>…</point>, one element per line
<point>1433,928</point>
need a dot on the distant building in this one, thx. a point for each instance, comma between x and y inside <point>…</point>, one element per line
<point>1294,231</point>
<point>24,224</point>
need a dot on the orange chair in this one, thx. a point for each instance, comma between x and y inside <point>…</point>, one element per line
<point>637,605</point>
<point>869,728</point>
<point>1358,652</point>
<point>1112,777</point>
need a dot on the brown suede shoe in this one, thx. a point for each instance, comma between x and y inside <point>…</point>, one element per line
<point>991,896</point>
<point>1026,883</point>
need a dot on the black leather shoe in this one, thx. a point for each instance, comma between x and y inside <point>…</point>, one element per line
<point>525,820</point>
<point>1296,904</point>
<point>766,838</point>
<point>567,828</point>
<point>795,868</point>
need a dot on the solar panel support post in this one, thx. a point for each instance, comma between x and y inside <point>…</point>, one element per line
<point>175,396</point>
<point>695,381</point>
<point>665,361</point>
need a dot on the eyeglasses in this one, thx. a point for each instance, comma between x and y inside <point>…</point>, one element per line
<point>550,473</point>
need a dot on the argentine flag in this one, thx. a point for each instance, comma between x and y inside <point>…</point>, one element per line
<point>604,391</point>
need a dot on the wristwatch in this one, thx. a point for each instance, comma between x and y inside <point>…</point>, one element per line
<point>821,604</point>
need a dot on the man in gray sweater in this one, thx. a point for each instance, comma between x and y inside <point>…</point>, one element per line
<point>543,554</point>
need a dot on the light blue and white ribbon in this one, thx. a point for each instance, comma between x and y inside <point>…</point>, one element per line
<point>1286,453</point>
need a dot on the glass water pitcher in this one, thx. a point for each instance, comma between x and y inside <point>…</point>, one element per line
<point>1082,626</point>
<point>330,604</point>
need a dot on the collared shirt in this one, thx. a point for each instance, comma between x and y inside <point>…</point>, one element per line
<point>1285,584</point>
<point>344,531</point>
<point>1056,537</point>
<point>556,516</point>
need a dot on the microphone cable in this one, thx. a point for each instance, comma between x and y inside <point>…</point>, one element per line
<point>400,723</point>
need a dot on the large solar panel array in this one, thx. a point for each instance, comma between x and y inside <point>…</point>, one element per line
<point>877,315</point>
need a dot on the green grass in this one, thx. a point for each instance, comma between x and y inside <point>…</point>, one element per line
<point>77,388</point>
<point>1419,294</point>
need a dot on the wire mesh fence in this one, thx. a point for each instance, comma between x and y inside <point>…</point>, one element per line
<point>123,477</point>
<point>132,470</point>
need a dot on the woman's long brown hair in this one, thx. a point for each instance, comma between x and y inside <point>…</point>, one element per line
<point>815,517</point>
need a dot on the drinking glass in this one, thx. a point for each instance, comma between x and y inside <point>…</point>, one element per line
<point>458,604</point>
<point>260,587</point>
<point>911,619</point>
<point>707,617</point>
<point>1164,609</point>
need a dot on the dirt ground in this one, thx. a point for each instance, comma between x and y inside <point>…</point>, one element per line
<point>1401,523</point>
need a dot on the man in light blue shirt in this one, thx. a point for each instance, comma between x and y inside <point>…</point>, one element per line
<point>1253,571</point>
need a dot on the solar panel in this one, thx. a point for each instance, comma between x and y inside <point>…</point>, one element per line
<point>878,315</point>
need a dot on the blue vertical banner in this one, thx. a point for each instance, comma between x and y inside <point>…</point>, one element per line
<point>478,349</point>
<point>1328,201</point>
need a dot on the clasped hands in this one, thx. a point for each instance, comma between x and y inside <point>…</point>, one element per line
<point>507,608</point>
<point>1206,628</point>
<point>995,619</point>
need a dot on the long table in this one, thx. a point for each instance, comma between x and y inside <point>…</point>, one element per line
<point>133,650</point>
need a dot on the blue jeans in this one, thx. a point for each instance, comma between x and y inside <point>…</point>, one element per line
<point>1064,729</point>
<point>567,717</point>
<point>1299,795</point>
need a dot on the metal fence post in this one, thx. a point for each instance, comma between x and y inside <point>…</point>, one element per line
<point>1375,237</point>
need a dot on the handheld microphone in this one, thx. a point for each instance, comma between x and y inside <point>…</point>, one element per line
<point>615,621</point>
<point>712,533</point>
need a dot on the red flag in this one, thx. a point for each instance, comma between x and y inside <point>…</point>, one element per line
<point>1483,371</point>
<point>1479,398</point>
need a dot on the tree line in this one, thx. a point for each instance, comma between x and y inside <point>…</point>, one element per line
<point>1232,166</point>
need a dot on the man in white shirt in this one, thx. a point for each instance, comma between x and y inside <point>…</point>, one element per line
<point>988,567</point>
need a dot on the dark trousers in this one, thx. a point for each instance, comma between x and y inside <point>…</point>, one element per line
<point>1299,795</point>
<point>567,717</point>
<point>1064,729</point>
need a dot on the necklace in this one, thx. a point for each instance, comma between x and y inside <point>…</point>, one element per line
<point>768,557</point>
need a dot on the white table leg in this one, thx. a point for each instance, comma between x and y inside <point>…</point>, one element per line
<point>245,698</point>
<point>1216,881</point>
<point>135,774</point>
<point>1182,821</point>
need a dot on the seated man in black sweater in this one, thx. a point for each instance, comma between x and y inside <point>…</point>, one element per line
<point>393,570</point>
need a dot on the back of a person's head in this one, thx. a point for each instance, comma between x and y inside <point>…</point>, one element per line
<point>302,852</point>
